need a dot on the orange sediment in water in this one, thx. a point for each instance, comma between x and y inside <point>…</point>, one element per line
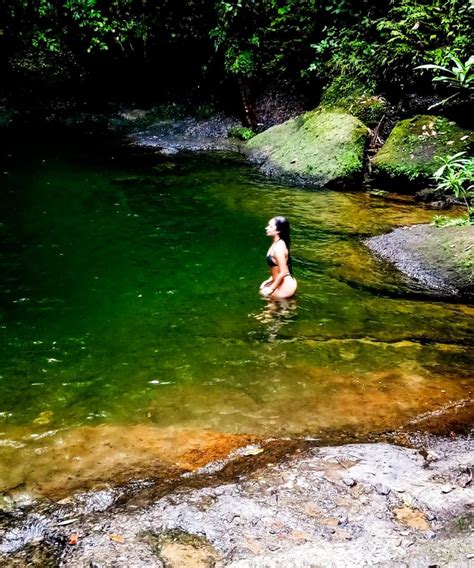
<point>57,463</point>
<point>381,401</point>
<point>88,456</point>
<point>306,400</point>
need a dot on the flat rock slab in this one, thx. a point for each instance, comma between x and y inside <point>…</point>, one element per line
<point>441,259</point>
<point>190,134</point>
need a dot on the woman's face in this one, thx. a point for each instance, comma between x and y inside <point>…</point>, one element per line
<point>271,228</point>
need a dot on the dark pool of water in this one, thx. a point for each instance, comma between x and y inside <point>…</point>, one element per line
<point>129,297</point>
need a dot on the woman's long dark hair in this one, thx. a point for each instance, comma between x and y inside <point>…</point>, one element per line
<point>283,227</point>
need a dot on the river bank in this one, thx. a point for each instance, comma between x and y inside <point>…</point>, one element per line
<point>271,504</point>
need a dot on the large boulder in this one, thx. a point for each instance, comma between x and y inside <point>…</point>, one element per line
<point>409,155</point>
<point>319,148</point>
<point>439,258</point>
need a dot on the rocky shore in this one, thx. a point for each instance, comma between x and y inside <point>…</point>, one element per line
<point>351,505</point>
<point>439,258</point>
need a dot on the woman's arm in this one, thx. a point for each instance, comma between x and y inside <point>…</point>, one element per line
<point>267,282</point>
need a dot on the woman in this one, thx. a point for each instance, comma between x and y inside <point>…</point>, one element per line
<point>281,283</point>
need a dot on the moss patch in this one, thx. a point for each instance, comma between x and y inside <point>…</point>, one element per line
<point>356,98</point>
<point>318,148</point>
<point>241,133</point>
<point>409,154</point>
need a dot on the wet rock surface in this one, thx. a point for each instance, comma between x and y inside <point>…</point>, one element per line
<point>189,133</point>
<point>441,259</point>
<point>168,128</point>
<point>350,505</point>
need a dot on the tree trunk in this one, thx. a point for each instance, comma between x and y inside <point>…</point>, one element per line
<point>248,119</point>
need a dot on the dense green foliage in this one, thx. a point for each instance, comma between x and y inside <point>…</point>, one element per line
<point>456,175</point>
<point>307,42</point>
<point>459,77</point>
<point>241,133</point>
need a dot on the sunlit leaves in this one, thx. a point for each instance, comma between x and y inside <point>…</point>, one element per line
<point>456,176</point>
<point>460,75</point>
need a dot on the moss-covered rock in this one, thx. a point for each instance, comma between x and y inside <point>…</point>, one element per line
<point>356,98</point>
<point>409,154</point>
<point>319,148</point>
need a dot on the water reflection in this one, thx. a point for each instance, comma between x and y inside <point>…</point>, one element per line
<point>275,314</point>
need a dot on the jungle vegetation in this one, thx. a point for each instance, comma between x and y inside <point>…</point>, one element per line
<point>161,47</point>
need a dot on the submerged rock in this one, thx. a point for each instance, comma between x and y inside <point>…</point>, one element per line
<point>441,259</point>
<point>319,148</point>
<point>410,152</point>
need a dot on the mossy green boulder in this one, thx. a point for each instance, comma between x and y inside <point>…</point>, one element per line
<point>409,154</point>
<point>319,148</point>
<point>356,97</point>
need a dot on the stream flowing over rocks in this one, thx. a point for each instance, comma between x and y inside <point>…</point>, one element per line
<point>351,505</point>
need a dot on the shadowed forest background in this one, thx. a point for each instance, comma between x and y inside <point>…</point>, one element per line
<point>226,53</point>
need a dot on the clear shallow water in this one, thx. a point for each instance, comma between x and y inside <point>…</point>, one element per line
<point>129,297</point>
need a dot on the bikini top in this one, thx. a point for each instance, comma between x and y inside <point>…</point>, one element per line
<point>270,261</point>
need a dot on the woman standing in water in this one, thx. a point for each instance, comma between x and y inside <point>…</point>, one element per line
<point>281,283</point>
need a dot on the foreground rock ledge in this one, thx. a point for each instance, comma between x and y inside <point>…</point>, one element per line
<point>441,259</point>
<point>352,505</point>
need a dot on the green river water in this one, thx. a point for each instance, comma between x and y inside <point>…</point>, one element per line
<point>129,299</point>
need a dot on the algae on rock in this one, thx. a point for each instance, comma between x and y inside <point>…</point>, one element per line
<point>319,148</point>
<point>410,152</point>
